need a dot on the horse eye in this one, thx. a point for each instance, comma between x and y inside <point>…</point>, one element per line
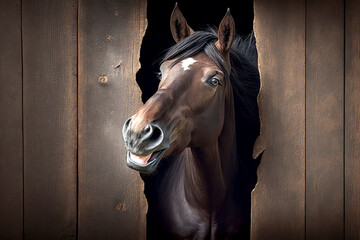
<point>159,75</point>
<point>214,82</point>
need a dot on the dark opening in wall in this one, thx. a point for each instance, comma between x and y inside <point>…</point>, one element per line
<point>199,14</point>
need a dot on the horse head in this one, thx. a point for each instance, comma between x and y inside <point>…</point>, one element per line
<point>188,109</point>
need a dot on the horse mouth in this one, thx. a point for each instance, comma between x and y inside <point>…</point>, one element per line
<point>144,164</point>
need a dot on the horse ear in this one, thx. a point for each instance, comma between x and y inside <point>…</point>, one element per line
<point>178,25</point>
<point>226,33</point>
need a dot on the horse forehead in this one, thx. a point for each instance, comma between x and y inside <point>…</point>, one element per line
<point>186,63</point>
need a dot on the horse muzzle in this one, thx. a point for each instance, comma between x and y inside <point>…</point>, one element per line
<point>145,148</point>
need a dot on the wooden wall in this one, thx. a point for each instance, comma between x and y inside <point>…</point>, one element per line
<point>67,83</point>
<point>309,178</point>
<point>111,201</point>
<point>11,123</point>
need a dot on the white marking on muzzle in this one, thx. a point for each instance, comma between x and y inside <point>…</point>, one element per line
<point>185,64</point>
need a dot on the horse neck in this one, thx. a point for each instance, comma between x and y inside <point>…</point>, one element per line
<point>209,170</point>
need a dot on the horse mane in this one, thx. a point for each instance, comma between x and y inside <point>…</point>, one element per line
<point>245,81</point>
<point>244,74</point>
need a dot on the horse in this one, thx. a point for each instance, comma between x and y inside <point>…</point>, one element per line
<point>192,140</point>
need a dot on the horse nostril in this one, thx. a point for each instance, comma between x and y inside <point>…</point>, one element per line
<point>126,127</point>
<point>148,140</point>
<point>147,129</point>
<point>127,123</point>
<point>154,138</point>
<point>156,134</point>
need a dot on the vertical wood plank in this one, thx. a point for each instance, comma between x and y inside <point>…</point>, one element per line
<point>11,148</point>
<point>352,119</point>
<point>50,118</point>
<point>111,200</point>
<point>278,200</point>
<point>324,119</point>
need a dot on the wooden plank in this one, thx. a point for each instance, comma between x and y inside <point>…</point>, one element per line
<point>352,119</point>
<point>324,119</point>
<point>50,118</point>
<point>111,200</point>
<point>11,148</point>
<point>278,200</point>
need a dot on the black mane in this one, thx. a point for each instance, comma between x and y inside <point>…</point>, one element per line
<point>244,74</point>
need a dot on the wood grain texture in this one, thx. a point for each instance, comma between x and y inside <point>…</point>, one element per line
<point>50,115</point>
<point>352,119</point>
<point>11,148</point>
<point>324,119</point>
<point>111,200</point>
<point>278,200</point>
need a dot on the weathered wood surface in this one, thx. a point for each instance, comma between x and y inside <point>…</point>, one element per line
<point>50,118</point>
<point>111,200</point>
<point>352,119</point>
<point>11,150</point>
<point>324,119</point>
<point>278,201</point>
